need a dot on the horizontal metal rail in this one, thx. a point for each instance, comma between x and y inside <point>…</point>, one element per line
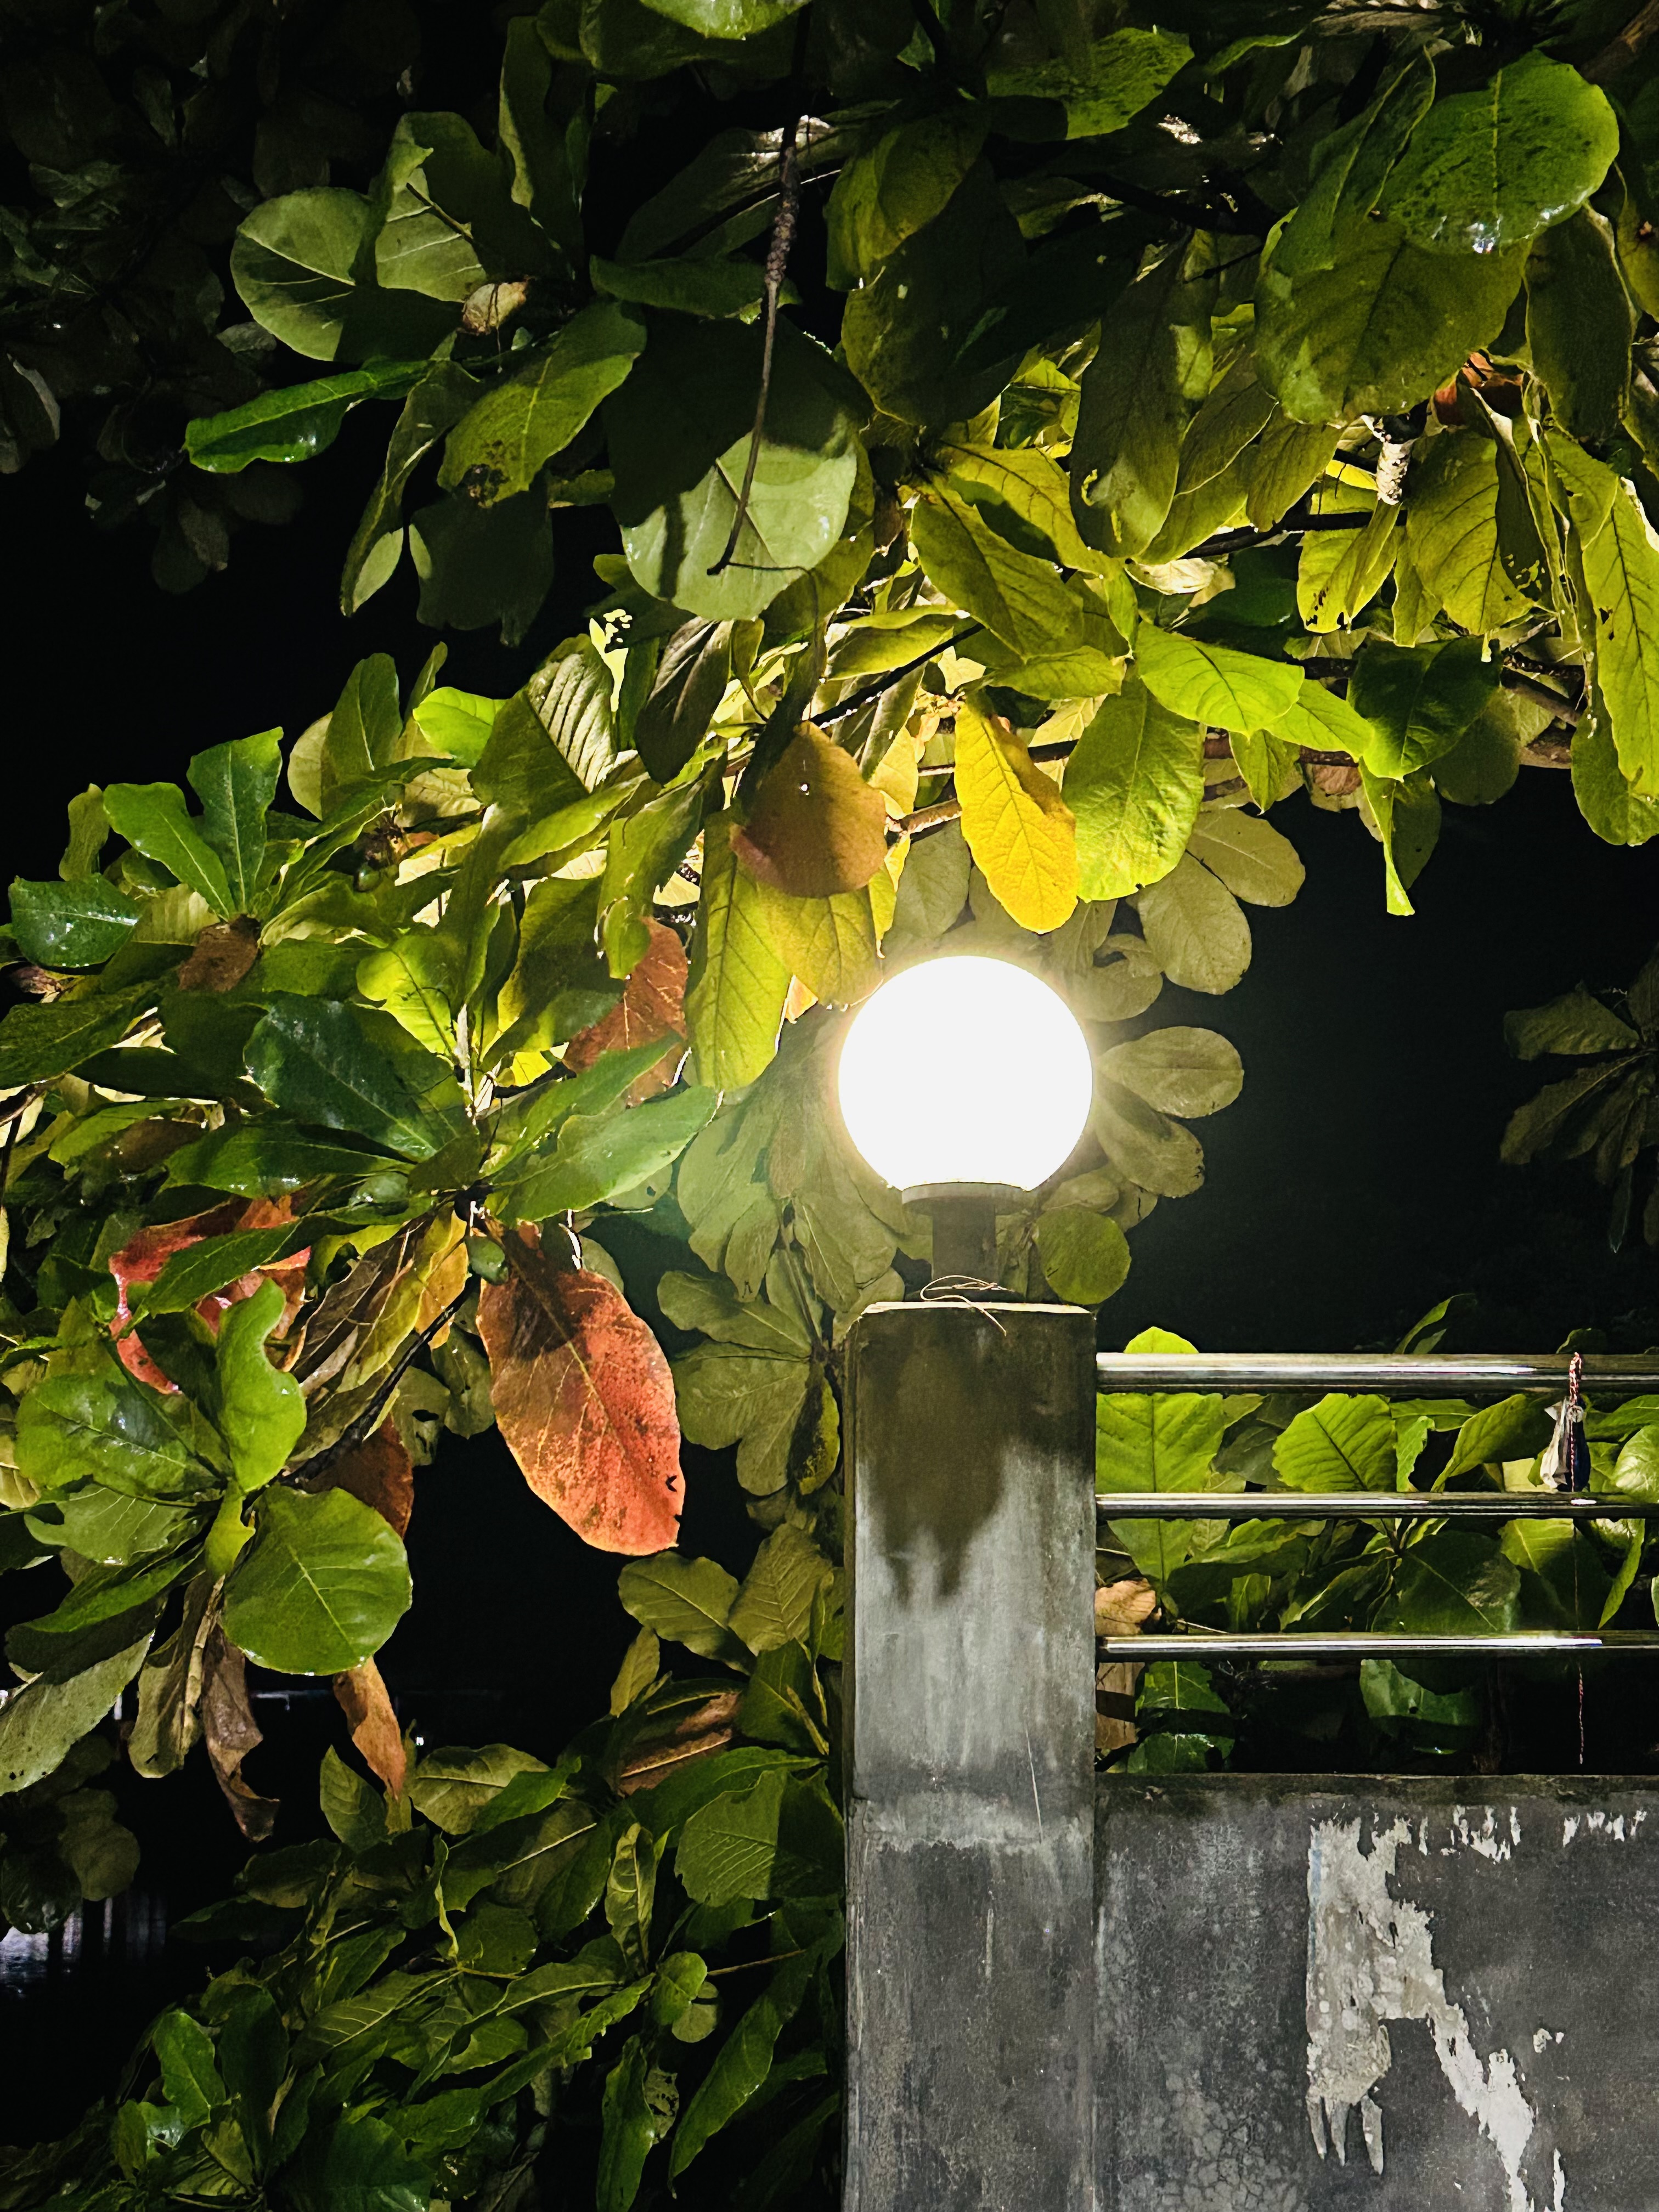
<point>1374,1644</point>
<point>1368,1506</point>
<point>1405,1374</point>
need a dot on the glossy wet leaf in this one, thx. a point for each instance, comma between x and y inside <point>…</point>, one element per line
<point>1489,169</point>
<point>321,1588</point>
<point>78,924</point>
<point>356,1071</point>
<point>295,421</point>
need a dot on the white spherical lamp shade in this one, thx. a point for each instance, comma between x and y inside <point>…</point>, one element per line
<point>964,1070</point>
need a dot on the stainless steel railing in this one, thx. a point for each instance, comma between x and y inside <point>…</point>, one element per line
<point>1399,1374</point>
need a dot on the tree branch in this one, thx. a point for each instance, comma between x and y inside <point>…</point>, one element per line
<point>777,261</point>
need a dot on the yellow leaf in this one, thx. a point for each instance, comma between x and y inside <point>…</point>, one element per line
<point>1018,828</point>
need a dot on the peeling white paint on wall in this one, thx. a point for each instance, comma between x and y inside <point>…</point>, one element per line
<point>1371,1961</point>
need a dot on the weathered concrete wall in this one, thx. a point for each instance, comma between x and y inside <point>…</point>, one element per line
<point>1401,1996</point>
<point>970,1751</point>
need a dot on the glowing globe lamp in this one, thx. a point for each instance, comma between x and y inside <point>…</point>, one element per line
<point>964,1082</point>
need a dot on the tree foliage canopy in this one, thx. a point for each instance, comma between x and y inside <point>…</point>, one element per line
<point>1038,441</point>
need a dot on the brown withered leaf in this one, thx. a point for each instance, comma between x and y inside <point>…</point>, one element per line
<point>657,1752</point>
<point>232,1732</point>
<point>347,1309</point>
<point>144,1254</point>
<point>584,1397</point>
<point>651,1006</point>
<point>817,827</point>
<point>363,1700</point>
<point>1122,1609</point>
<point>379,1471</point>
<point>1334,782</point>
<point>161,1735</point>
<point>221,956</point>
<point>1115,1706</point>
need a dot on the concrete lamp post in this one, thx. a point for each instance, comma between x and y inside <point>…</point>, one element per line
<point>969,1748</point>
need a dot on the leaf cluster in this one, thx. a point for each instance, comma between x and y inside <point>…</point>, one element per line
<point>496,1961</point>
<point>1423,1578</point>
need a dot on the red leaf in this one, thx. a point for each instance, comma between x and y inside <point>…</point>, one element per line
<point>651,1006</point>
<point>585,1399</point>
<point>142,1257</point>
<point>374,1730</point>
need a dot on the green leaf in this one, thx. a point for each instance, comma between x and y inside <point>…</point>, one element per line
<point>727,1847</point>
<point>1418,701</point>
<point>152,817</point>
<point>1408,817</point>
<point>1135,783</point>
<point>236,784</point>
<point>1143,1144</point>
<point>1125,455</point>
<point>1579,324</point>
<point>1575,1023</point>
<point>1564,1584</point>
<point>293,260</point>
<point>1621,574</point>
<point>1250,857</point>
<point>79,1428</point>
<point>726,19</point>
<point>448,213</point>
<point>436,404</point>
<point>1113,78</point>
<point>1617,813</point>
<point>261,1411</point>
<point>455,1788</point>
<point>321,1588</point>
<point>629,1891</point>
<point>754,1400</point>
<point>630,2127</point>
<point>597,1156</point>
<point>892,187</point>
<point>479,565</point>
<point>1163,1442</point>
<point>190,2079</point>
<point>457,723</point>
<point>1351,164</point>
<point>110,1526</point>
<point>703,286</point>
<point>1195,929</point>
<point>1454,1582</point>
<point>1340,572</point>
<point>1489,169</point>
<point>295,421</point>
<point>39,1722</point>
<point>1460,531</point>
<point>501,447</point>
<point>775,1605</point>
<point>1341,1443</point>
<point>570,694</point>
<point>354,2164</point>
<point>1019,598</point>
<point>740,2067</point>
<point>906,331</point>
<point>353,1808</point>
<point>266,1159</point>
<point>1379,325</point>
<point>1179,1071</point>
<point>1214,682</point>
<point>734,1000</point>
<point>37,1042</point>
<point>349,1069</point>
<point>680,432</point>
<point>1515,1428</point>
<point>683,1601</point>
<point>199,1269</point>
<point>73,924</point>
<point>1084,1255</point>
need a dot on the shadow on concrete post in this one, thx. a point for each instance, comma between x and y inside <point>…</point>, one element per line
<point>971,1759</point>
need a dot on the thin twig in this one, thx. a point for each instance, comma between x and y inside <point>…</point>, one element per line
<point>851,705</point>
<point>777,261</point>
<point>369,1420</point>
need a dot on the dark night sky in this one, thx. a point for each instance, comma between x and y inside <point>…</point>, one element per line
<point>1355,1182</point>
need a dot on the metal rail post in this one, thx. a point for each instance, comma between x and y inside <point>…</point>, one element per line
<point>971,1757</point>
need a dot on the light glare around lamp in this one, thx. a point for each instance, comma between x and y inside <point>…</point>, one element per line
<point>965,1071</point>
